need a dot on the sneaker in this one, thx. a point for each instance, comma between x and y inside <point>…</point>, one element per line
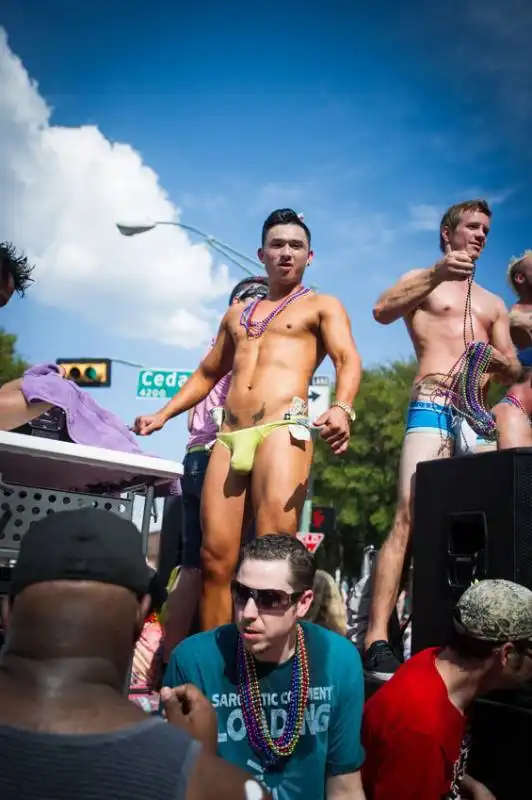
<point>380,661</point>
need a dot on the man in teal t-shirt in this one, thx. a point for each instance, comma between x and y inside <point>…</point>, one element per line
<point>288,694</point>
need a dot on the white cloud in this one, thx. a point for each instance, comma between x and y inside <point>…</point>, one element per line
<point>425,217</point>
<point>61,192</point>
<point>496,198</point>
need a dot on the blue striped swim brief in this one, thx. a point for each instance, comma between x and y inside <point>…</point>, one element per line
<point>429,417</point>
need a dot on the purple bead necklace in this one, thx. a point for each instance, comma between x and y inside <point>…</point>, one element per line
<point>260,737</point>
<point>255,329</point>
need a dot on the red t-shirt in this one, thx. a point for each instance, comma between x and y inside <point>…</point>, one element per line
<point>412,735</point>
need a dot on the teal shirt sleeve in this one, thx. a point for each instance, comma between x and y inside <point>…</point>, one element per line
<point>176,673</point>
<point>346,753</point>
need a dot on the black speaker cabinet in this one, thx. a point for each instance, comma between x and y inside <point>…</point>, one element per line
<point>472,520</point>
<point>500,752</point>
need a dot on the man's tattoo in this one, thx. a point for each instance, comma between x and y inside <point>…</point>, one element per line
<point>230,418</point>
<point>259,415</point>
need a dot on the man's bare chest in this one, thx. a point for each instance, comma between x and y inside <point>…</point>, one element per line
<point>454,303</point>
<point>263,327</point>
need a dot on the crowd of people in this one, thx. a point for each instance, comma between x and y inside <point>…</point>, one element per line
<point>256,688</point>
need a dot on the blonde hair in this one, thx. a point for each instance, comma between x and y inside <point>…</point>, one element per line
<point>513,267</point>
<point>328,607</point>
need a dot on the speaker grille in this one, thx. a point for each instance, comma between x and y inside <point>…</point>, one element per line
<point>523,519</point>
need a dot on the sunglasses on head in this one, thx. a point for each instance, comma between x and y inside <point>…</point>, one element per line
<point>252,291</point>
<point>264,599</point>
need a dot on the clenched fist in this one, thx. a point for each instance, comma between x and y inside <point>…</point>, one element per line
<point>456,265</point>
<point>147,424</point>
<point>335,429</point>
<point>187,708</point>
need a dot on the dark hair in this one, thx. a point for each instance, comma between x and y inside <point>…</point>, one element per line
<point>284,216</point>
<point>454,214</point>
<point>15,266</point>
<point>282,547</point>
<point>468,647</point>
<point>254,286</point>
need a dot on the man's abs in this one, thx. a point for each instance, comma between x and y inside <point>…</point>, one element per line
<point>269,398</point>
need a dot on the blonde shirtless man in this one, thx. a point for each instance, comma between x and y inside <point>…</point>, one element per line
<point>432,303</point>
<point>513,414</point>
<point>520,279</point>
<point>260,463</point>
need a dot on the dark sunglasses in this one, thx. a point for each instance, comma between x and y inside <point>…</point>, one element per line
<point>265,599</point>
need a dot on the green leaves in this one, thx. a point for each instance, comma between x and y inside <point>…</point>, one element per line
<point>362,484</point>
<point>11,365</point>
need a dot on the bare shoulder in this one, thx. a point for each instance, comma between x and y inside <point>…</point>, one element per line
<point>492,303</point>
<point>232,313</point>
<point>231,319</point>
<point>327,304</point>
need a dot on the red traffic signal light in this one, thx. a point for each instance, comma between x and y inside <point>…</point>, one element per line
<point>323,519</point>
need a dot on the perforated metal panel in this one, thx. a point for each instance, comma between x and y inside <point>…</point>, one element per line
<point>20,506</point>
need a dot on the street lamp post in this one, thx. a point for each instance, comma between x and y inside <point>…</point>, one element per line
<point>228,252</point>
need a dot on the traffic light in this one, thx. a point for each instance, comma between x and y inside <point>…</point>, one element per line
<point>323,520</point>
<point>87,372</point>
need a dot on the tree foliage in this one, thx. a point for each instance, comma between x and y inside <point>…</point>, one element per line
<point>11,365</point>
<point>361,485</point>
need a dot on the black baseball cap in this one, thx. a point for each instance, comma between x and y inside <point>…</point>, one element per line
<point>87,544</point>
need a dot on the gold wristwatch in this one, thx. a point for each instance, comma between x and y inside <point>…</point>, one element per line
<point>347,408</point>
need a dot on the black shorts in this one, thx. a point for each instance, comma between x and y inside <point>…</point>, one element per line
<point>194,470</point>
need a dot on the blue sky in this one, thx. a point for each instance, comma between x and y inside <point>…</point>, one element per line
<point>370,120</point>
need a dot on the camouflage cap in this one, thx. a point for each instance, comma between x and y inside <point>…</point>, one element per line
<point>495,611</point>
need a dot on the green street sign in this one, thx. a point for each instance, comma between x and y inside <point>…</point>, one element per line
<point>161,383</point>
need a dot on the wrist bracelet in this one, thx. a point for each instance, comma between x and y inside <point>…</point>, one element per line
<point>347,408</point>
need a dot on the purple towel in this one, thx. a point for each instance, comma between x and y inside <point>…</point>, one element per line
<point>87,422</point>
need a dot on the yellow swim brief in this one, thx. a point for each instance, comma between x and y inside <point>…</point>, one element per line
<point>243,443</point>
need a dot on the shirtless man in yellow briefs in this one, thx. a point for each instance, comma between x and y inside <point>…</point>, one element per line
<point>440,306</point>
<point>261,461</point>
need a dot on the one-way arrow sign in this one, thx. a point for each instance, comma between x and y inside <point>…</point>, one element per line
<point>319,397</point>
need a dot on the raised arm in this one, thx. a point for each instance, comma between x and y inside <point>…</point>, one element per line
<point>210,778</point>
<point>413,287</point>
<point>405,296</point>
<point>335,327</point>
<point>217,363</point>
<point>505,365</point>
